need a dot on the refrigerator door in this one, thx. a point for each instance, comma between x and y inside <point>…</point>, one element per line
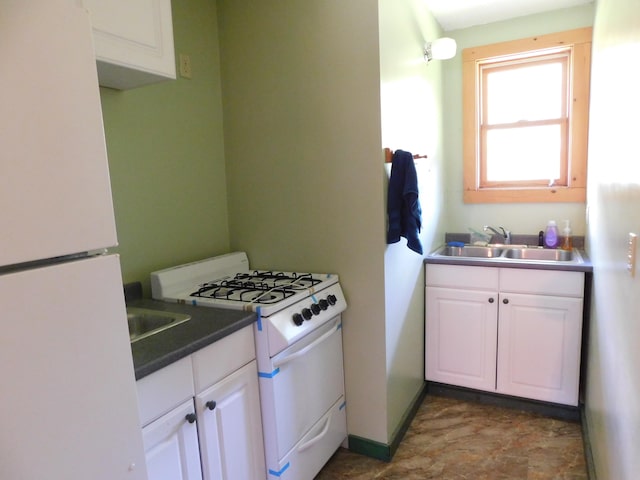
<point>55,190</point>
<point>68,404</point>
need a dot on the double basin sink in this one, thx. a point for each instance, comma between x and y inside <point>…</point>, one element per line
<point>144,322</point>
<point>510,252</point>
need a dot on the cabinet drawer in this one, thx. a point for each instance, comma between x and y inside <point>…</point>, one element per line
<point>163,390</point>
<point>542,282</point>
<point>460,276</point>
<point>213,363</point>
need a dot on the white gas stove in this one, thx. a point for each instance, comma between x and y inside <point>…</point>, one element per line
<point>293,304</point>
<point>298,338</point>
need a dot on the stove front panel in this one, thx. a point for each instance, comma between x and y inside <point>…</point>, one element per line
<point>298,320</point>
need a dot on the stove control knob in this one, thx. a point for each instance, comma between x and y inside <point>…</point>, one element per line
<point>297,319</point>
<point>323,304</point>
<point>315,308</point>
<point>306,313</point>
<point>332,299</point>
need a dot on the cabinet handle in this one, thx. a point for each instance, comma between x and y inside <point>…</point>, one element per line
<point>491,300</point>
<point>191,417</point>
<point>505,301</point>
<point>211,404</point>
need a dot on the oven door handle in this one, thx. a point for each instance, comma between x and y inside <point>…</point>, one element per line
<point>317,438</point>
<point>290,358</point>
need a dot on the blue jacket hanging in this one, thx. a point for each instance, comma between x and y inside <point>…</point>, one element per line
<point>403,206</point>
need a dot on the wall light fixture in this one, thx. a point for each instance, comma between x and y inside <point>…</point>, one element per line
<point>440,49</point>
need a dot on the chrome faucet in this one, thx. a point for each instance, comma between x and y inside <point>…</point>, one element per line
<point>506,234</point>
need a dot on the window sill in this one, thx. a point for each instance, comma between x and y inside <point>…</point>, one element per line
<point>528,195</point>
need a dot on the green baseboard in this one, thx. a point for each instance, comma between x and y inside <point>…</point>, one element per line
<point>384,451</point>
<point>370,448</point>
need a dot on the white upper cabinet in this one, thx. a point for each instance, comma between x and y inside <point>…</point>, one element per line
<point>133,42</point>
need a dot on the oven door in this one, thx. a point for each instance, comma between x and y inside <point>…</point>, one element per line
<point>308,382</point>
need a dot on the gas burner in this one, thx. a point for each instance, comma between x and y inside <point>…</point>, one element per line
<point>239,289</point>
<point>270,279</point>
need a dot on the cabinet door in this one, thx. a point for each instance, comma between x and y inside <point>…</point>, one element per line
<point>230,427</point>
<point>539,341</point>
<point>133,41</point>
<point>460,334</point>
<point>171,446</point>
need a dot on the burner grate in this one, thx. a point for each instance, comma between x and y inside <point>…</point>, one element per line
<point>261,287</point>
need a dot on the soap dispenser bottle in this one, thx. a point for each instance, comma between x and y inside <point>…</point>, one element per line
<point>567,241</point>
<point>551,238</point>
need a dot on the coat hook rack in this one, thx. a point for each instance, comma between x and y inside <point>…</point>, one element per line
<point>388,155</point>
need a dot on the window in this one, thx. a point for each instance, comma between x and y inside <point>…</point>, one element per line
<point>526,119</point>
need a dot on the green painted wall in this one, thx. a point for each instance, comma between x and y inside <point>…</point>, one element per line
<point>301,83</point>
<point>166,156</point>
<point>411,98</point>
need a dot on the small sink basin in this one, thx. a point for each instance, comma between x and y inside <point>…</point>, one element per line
<point>539,254</point>
<point>471,251</point>
<point>145,322</point>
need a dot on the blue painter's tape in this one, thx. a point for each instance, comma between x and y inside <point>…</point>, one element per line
<point>315,300</point>
<point>194,303</point>
<point>282,470</point>
<point>258,311</point>
<point>269,375</point>
<point>344,404</point>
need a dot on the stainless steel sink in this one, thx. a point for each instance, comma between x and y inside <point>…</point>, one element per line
<point>543,254</point>
<point>471,251</point>
<point>145,322</point>
<point>509,254</point>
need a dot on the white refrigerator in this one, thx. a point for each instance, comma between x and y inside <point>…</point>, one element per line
<point>68,406</point>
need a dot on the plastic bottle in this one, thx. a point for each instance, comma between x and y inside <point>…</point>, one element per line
<point>567,241</point>
<point>551,238</point>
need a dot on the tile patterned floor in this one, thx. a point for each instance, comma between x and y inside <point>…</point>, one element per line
<point>453,439</point>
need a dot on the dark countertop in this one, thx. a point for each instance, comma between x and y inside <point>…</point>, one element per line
<point>206,326</point>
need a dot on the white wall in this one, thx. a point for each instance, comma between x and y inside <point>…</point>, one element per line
<point>613,383</point>
<point>460,216</point>
<point>411,101</point>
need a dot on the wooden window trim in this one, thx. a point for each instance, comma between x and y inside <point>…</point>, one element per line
<point>575,190</point>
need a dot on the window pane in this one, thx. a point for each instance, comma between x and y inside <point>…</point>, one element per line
<point>533,92</point>
<point>520,154</point>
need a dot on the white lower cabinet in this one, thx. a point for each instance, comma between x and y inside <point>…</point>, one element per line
<point>511,331</point>
<point>201,415</point>
<point>230,428</point>
<point>171,445</point>
<point>539,347</point>
<point>461,337</point>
